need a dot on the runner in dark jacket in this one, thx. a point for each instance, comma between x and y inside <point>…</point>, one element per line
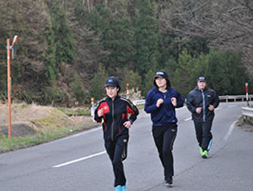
<point>161,102</point>
<point>114,111</point>
<point>201,102</point>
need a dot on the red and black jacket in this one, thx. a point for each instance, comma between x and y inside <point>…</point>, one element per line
<point>116,113</point>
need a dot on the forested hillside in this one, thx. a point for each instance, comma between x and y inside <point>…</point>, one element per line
<point>67,48</point>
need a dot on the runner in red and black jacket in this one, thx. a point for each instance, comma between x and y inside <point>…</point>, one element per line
<point>114,111</point>
<point>115,115</point>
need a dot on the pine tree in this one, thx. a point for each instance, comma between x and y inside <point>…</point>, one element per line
<point>64,38</point>
<point>119,38</point>
<point>97,89</point>
<point>183,73</point>
<point>148,37</point>
<point>51,69</point>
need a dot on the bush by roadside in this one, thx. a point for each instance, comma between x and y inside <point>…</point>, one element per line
<point>246,123</point>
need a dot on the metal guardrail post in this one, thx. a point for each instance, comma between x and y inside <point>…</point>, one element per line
<point>247,111</point>
<point>236,97</point>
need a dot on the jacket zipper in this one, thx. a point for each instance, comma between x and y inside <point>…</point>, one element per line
<point>112,120</point>
<point>204,106</point>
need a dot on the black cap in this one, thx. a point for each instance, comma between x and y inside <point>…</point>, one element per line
<point>201,79</point>
<point>164,75</point>
<point>112,82</point>
<point>161,74</point>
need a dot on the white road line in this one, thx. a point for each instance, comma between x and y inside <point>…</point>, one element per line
<point>80,134</point>
<point>84,133</point>
<point>187,119</point>
<point>232,105</point>
<point>219,108</point>
<point>78,160</point>
<point>228,134</point>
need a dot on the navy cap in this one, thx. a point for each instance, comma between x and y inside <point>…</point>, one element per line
<point>201,79</point>
<point>161,75</point>
<point>111,82</point>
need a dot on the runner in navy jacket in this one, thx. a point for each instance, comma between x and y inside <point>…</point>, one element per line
<point>161,102</point>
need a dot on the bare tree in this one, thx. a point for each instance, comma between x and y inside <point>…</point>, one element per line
<point>227,23</point>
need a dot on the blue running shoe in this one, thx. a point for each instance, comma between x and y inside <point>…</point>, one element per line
<point>123,188</point>
<point>118,188</point>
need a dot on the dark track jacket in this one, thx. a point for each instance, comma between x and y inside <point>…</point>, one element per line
<point>115,114</point>
<point>165,114</point>
<point>197,98</point>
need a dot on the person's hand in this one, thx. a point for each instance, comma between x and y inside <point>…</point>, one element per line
<point>159,102</point>
<point>100,112</point>
<point>174,101</point>
<point>127,124</point>
<point>198,110</point>
<point>211,107</point>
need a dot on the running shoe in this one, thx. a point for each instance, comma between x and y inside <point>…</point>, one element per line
<point>201,151</point>
<point>210,144</point>
<point>169,182</point>
<point>205,154</point>
<point>123,188</point>
<point>118,188</point>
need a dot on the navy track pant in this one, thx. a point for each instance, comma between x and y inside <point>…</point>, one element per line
<point>164,138</point>
<point>117,151</point>
<point>203,133</point>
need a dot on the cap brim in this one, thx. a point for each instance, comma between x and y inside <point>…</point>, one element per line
<point>110,85</point>
<point>158,76</point>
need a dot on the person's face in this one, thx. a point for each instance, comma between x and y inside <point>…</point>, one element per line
<point>111,92</point>
<point>161,82</point>
<point>201,85</point>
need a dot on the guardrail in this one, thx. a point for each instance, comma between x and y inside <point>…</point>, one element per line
<point>235,98</point>
<point>221,98</point>
<point>139,102</point>
<point>247,111</point>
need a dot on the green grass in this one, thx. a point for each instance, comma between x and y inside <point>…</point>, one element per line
<point>14,143</point>
<point>75,112</point>
<point>24,106</point>
<point>140,106</point>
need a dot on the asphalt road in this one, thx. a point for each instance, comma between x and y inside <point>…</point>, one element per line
<point>79,162</point>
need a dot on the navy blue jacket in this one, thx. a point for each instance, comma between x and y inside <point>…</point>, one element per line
<point>195,100</point>
<point>165,114</point>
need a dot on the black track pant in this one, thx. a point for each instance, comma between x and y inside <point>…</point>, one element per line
<point>203,133</point>
<point>164,138</point>
<point>117,151</point>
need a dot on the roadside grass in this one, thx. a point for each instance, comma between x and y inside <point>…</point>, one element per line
<point>14,143</point>
<point>75,111</point>
<point>140,106</point>
<point>245,123</point>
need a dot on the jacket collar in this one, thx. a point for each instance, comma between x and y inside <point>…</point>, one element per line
<point>110,99</point>
<point>200,90</point>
